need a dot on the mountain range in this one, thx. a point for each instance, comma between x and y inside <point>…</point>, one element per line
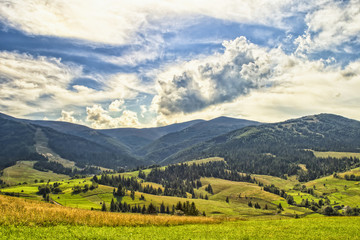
<point>249,146</point>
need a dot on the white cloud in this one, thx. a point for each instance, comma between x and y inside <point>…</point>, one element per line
<point>278,86</point>
<point>117,105</point>
<point>28,84</point>
<point>333,27</point>
<point>144,110</point>
<point>216,79</point>
<point>100,118</point>
<point>117,22</point>
<point>67,117</point>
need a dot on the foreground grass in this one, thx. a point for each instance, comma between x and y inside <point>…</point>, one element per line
<point>308,228</point>
<point>21,212</point>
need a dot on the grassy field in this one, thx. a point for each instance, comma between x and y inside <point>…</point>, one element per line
<point>28,219</point>
<point>23,172</point>
<point>205,160</point>
<point>23,212</point>
<point>33,219</point>
<point>335,154</point>
<point>309,228</point>
<point>338,190</point>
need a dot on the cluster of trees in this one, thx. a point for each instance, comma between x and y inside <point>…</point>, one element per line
<point>282,193</point>
<point>125,183</point>
<point>59,168</point>
<point>49,188</point>
<point>186,208</point>
<point>181,178</point>
<point>78,189</point>
<point>256,205</point>
<point>352,177</point>
<point>177,180</point>
<point>45,190</point>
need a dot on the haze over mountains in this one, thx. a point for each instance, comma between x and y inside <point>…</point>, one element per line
<point>273,149</point>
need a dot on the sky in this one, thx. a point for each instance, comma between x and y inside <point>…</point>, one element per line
<point>115,63</point>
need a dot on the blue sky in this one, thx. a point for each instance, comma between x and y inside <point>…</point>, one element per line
<point>109,64</point>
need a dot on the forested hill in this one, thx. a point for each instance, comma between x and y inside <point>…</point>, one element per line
<point>279,148</point>
<point>200,132</point>
<point>18,142</point>
<point>135,138</point>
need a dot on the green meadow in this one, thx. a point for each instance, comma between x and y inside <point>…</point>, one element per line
<point>307,228</point>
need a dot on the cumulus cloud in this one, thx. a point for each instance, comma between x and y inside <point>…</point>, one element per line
<point>100,118</point>
<point>117,22</point>
<point>221,78</point>
<point>117,105</point>
<point>251,82</point>
<point>334,26</point>
<point>67,117</point>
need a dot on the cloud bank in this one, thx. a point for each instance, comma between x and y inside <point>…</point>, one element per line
<point>118,22</point>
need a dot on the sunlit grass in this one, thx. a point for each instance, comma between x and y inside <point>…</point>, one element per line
<point>17,211</point>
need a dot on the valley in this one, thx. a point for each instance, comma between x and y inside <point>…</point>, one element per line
<point>254,177</point>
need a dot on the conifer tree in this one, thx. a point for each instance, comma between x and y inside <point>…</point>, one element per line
<point>112,206</point>
<point>162,208</point>
<point>103,207</point>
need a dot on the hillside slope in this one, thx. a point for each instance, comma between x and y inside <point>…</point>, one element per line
<point>135,138</point>
<point>18,141</point>
<point>279,148</point>
<point>177,141</point>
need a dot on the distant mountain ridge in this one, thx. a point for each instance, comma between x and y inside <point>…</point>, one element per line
<point>249,146</point>
<point>171,143</point>
<point>134,138</point>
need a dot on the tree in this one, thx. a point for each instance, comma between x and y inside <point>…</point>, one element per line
<point>103,207</point>
<point>120,191</point>
<point>162,208</point>
<point>209,189</point>
<point>280,207</point>
<point>132,194</point>
<point>151,209</point>
<point>250,204</point>
<point>143,210</point>
<point>112,206</point>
